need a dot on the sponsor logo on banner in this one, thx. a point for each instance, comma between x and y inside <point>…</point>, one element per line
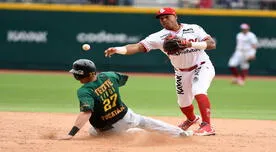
<point>267,43</point>
<point>104,37</point>
<point>27,36</point>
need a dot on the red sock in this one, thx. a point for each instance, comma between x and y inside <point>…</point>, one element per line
<point>244,73</point>
<point>204,107</point>
<point>188,112</point>
<point>234,71</point>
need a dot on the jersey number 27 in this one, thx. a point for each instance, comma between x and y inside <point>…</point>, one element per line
<point>110,102</point>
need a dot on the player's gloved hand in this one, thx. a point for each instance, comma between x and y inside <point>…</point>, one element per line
<point>173,44</point>
<point>110,51</point>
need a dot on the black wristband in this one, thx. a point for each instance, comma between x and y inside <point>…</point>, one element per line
<point>73,131</point>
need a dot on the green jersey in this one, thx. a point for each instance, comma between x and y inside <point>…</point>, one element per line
<point>102,97</point>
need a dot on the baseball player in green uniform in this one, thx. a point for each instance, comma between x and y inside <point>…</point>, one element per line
<point>101,104</point>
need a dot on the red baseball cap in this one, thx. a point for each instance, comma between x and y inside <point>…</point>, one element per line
<point>165,11</point>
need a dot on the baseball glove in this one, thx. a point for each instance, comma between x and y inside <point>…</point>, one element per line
<point>173,44</point>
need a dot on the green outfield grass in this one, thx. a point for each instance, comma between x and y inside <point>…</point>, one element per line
<point>145,95</point>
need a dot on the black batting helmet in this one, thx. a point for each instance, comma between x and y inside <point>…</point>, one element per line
<point>82,68</point>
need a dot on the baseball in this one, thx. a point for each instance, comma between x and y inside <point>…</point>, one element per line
<point>86,47</point>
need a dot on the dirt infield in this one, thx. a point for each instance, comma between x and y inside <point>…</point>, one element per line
<point>37,132</point>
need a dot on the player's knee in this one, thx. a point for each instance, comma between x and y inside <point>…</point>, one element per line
<point>197,91</point>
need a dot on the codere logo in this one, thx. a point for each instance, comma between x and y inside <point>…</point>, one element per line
<point>104,37</point>
<point>27,36</point>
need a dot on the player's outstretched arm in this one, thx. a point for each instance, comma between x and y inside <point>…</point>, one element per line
<point>82,118</point>
<point>125,50</point>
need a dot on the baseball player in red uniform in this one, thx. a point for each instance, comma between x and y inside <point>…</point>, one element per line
<point>193,69</point>
<point>246,45</point>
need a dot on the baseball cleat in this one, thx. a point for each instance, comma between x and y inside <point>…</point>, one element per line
<point>238,81</point>
<point>188,123</point>
<point>205,129</point>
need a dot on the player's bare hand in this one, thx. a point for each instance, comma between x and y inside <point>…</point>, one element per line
<point>66,137</point>
<point>110,51</point>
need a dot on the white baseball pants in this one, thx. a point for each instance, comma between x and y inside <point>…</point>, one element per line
<point>239,58</point>
<point>190,83</point>
<point>133,120</point>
